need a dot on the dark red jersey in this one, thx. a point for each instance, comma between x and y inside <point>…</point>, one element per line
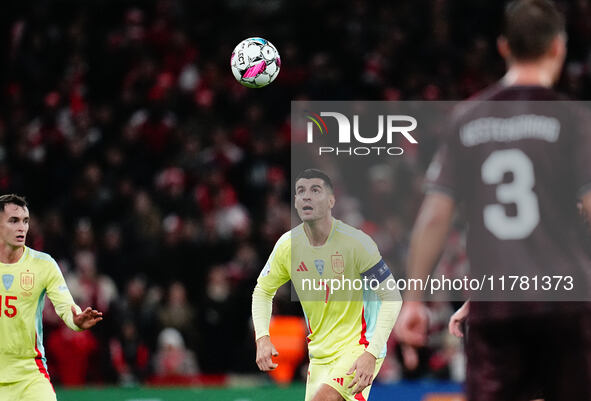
<point>518,158</point>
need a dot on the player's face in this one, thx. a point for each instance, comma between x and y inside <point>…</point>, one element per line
<point>14,225</point>
<point>313,200</point>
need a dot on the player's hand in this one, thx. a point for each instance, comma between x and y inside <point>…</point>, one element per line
<point>266,350</point>
<point>457,319</point>
<point>87,318</point>
<point>455,325</point>
<point>412,324</point>
<point>410,356</point>
<point>364,368</point>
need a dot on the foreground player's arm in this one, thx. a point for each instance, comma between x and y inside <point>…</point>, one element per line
<point>64,304</point>
<point>274,275</point>
<point>426,244</point>
<point>429,236</point>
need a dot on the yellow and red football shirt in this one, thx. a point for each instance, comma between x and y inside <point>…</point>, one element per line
<point>23,288</point>
<point>336,319</point>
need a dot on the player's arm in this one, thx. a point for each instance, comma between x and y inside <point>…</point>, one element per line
<point>64,304</point>
<point>274,275</point>
<point>378,277</point>
<point>426,244</point>
<point>391,302</point>
<point>428,237</point>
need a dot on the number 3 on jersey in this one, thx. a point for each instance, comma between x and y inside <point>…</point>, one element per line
<point>519,191</point>
<point>6,307</point>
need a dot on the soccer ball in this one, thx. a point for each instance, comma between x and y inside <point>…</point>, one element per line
<point>255,62</point>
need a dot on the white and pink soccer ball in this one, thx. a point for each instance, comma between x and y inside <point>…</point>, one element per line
<point>255,62</point>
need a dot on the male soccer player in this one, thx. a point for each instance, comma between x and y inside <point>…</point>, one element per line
<point>27,276</point>
<point>520,188</point>
<point>348,330</point>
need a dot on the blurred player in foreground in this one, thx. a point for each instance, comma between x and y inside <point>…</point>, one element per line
<point>27,276</point>
<point>520,193</point>
<point>348,329</point>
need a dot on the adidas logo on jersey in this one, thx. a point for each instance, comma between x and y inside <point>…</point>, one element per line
<point>302,267</point>
<point>339,380</point>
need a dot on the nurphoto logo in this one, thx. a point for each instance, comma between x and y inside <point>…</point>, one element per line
<point>388,126</point>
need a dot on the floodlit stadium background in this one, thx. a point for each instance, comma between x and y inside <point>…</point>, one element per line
<point>160,185</point>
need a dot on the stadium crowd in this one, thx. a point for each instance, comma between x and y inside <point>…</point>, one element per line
<point>159,184</point>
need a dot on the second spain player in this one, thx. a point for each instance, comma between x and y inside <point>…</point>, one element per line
<point>348,330</point>
<point>27,277</point>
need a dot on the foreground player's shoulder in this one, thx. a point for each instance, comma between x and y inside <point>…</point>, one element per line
<point>355,238</point>
<point>42,259</point>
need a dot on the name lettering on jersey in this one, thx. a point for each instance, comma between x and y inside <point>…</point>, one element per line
<point>319,263</point>
<point>302,267</point>
<point>494,129</point>
<point>338,263</point>
<point>7,280</point>
<point>27,281</point>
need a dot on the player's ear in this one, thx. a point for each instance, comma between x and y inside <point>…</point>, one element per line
<point>558,47</point>
<point>503,47</point>
<point>331,201</point>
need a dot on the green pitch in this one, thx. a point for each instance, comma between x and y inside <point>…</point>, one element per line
<point>293,393</point>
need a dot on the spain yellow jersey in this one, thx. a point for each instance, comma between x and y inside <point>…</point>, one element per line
<point>23,289</point>
<point>335,318</point>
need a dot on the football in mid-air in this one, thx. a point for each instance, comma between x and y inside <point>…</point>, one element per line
<point>255,62</point>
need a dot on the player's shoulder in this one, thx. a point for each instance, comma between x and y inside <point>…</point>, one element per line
<point>41,258</point>
<point>353,235</point>
<point>284,239</point>
<point>296,233</point>
<point>500,92</point>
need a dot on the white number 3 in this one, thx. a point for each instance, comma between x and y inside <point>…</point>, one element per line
<point>519,191</point>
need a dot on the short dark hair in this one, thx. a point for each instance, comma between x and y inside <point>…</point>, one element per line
<point>530,27</point>
<point>14,199</point>
<point>315,173</point>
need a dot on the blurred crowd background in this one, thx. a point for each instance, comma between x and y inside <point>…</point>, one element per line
<point>160,185</point>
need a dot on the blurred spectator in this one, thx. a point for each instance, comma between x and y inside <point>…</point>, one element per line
<point>70,355</point>
<point>172,360</point>
<point>113,258</point>
<point>217,306</point>
<point>88,286</point>
<point>177,313</point>
<point>129,355</point>
<point>138,305</point>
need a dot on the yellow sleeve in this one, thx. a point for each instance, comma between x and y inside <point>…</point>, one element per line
<point>372,266</point>
<point>367,253</point>
<point>60,296</point>
<point>274,275</point>
<point>389,310</point>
